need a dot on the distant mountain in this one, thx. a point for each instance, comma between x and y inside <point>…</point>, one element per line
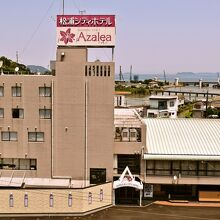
<point>9,66</point>
<point>35,69</point>
<point>185,74</point>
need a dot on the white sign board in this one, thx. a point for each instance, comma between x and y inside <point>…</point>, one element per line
<point>86,30</point>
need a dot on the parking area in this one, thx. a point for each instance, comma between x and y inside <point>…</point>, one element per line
<point>158,212</point>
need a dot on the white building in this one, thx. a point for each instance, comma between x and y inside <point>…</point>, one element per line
<point>163,106</point>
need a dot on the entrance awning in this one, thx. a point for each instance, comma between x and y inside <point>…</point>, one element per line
<point>127,180</point>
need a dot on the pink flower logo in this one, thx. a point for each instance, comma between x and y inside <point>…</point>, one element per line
<point>67,36</point>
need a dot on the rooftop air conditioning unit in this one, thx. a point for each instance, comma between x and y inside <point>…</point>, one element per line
<point>133,134</point>
<point>125,134</point>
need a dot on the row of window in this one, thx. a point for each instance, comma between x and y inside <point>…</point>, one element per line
<point>13,136</point>
<point>97,70</point>
<point>16,91</point>
<point>19,113</point>
<point>184,168</point>
<point>18,164</point>
<point>51,199</point>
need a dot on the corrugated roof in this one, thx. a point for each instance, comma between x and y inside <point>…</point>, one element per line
<point>126,118</point>
<point>183,137</point>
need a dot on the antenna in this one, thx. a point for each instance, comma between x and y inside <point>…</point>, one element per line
<point>82,12</point>
<point>63,6</point>
<point>164,74</point>
<point>17,56</point>
<point>120,75</point>
<point>130,73</point>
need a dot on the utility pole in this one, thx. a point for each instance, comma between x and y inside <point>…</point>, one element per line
<point>164,74</point>
<point>120,75</point>
<point>17,56</point>
<point>206,103</point>
<point>130,73</point>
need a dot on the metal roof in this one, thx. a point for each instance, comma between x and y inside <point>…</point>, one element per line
<point>182,138</point>
<point>126,118</point>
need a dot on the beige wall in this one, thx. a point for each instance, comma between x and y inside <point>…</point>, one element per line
<point>77,98</point>
<point>31,102</point>
<point>38,200</point>
<point>183,180</point>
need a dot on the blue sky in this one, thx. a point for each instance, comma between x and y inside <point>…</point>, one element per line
<point>152,35</point>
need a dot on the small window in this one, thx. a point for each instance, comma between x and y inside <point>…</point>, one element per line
<point>101,70</point>
<point>35,136</point>
<point>17,113</point>
<point>1,91</point>
<point>25,200</point>
<point>16,91</point>
<point>105,70</point>
<point>33,164</point>
<point>51,200</point>
<point>45,91</point>
<point>172,104</point>
<point>90,198</point>
<point>45,113</point>
<point>89,70</point>
<point>11,200</point>
<point>1,113</point>
<point>93,70</point>
<point>70,199</point>
<point>109,72</point>
<point>85,70</point>
<point>97,175</point>
<point>124,134</point>
<point>24,164</point>
<point>9,136</point>
<point>97,70</point>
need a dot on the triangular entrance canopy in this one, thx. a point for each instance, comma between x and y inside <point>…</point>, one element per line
<point>127,180</point>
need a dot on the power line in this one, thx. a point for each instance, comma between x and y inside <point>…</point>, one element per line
<point>37,28</point>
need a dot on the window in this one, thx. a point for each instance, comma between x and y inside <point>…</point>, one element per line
<point>45,113</point>
<point>1,91</point>
<point>162,105</point>
<point>132,161</point>
<point>171,103</point>
<point>16,91</point>
<point>97,70</point>
<point>35,136</point>
<point>70,200</point>
<point>11,200</point>
<point>17,113</point>
<point>1,113</point>
<point>109,71</point>
<point>97,175</point>
<point>45,91</point>
<point>33,164</point>
<point>18,164</point>
<point>105,70</point>
<point>51,200</point>
<point>85,70</point>
<point>24,164</point>
<point>9,136</point>
<point>101,68</point>
<point>25,200</point>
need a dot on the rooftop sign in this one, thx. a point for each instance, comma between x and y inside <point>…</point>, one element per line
<point>86,30</point>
